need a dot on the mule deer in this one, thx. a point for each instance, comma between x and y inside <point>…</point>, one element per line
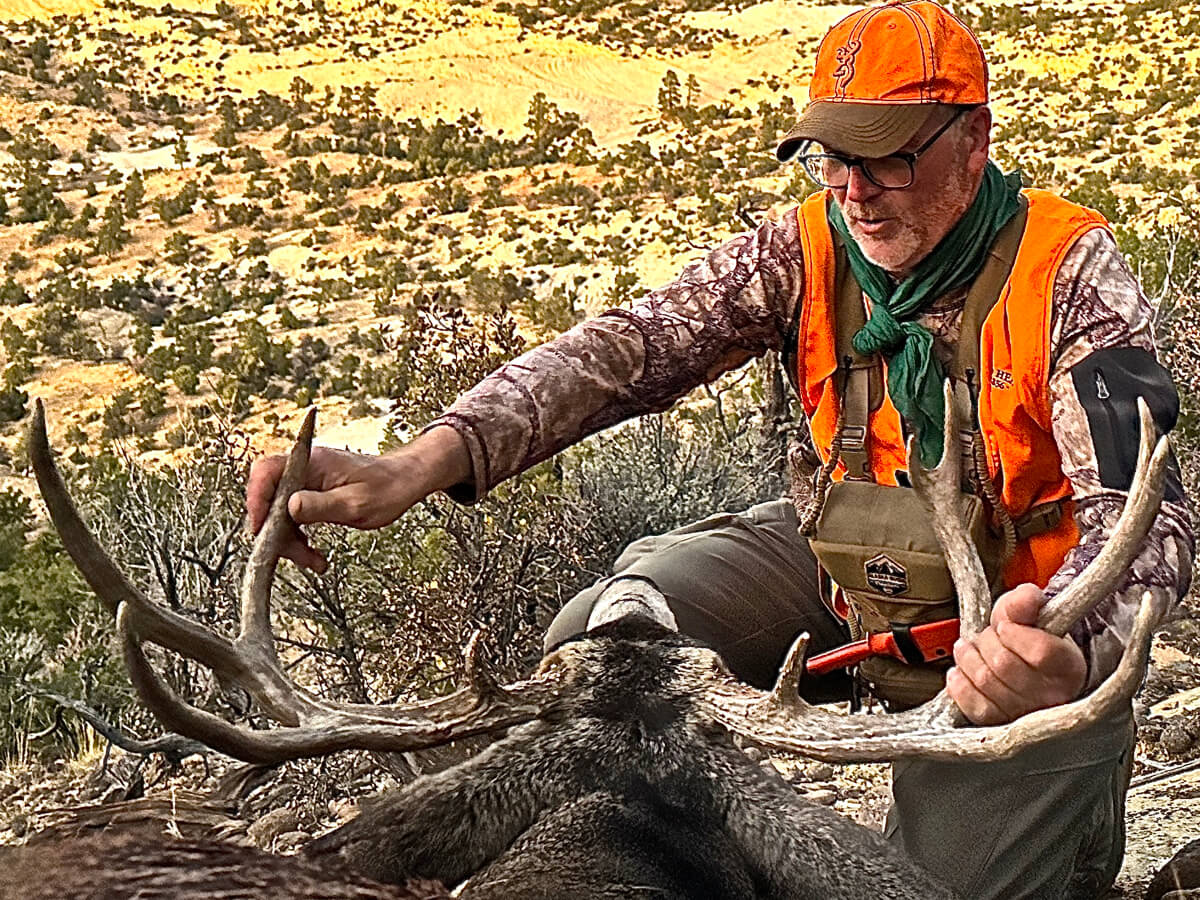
<point>619,774</point>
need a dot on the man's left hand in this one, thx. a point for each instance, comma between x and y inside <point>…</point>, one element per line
<point>1012,667</point>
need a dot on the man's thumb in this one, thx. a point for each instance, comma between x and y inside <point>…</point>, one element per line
<point>306,507</point>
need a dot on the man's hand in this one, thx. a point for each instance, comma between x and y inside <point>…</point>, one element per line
<point>1012,667</point>
<point>357,489</point>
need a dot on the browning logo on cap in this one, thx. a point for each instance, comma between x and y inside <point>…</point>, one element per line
<point>886,575</point>
<point>845,68</point>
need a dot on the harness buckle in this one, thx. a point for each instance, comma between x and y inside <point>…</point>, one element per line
<point>854,437</point>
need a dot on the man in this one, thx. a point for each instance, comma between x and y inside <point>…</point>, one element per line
<point>941,266</point>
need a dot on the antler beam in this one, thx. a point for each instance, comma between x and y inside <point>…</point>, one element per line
<point>311,726</point>
<point>782,720</point>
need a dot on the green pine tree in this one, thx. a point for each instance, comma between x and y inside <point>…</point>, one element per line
<point>669,96</point>
<point>112,235</point>
<point>134,193</point>
<point>226,134</point>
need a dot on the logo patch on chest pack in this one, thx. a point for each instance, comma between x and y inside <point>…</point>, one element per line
<point>886,575</point>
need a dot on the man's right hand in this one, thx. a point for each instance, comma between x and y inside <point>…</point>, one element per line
<point>357,489</point>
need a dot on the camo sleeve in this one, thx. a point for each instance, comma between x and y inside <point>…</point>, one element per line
<point>724,309</point>
<point>1102,359</point>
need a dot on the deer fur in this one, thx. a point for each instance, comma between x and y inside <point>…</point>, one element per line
<point>630,790</point>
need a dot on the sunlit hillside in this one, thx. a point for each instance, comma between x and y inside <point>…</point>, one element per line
<point>274,146</point>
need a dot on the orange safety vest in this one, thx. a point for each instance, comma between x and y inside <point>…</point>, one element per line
<point>1014,396</point>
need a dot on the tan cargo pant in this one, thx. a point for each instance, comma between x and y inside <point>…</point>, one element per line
<point>1047,824</point>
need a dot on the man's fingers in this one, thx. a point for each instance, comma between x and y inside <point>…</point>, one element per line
<point>1007,662</point>
<point>973,702</point>
<point>1021,605</point>
<point>295,547</point>
<point>1059,669</point>
<point>347,505</point>
<point>1037,649</point>
<point>989,680</point>
<point>260,488</point>
<point>307,507</point>
<point>304,555</point>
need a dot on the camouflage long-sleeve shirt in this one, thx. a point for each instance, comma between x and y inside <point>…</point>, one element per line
<point>735,304</point>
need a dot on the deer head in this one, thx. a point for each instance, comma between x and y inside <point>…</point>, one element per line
<point>779,719</point>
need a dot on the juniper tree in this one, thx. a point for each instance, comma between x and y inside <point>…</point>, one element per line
<point>669,96</point>
<point>112,235</point>
<point>133,194</point>
<point>226,133</point>
<point>299,91</point>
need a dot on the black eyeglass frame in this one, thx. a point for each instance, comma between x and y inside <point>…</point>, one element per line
<point>860,162</point>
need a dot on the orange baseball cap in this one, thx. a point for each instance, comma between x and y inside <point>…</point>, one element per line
<point>880,73</point>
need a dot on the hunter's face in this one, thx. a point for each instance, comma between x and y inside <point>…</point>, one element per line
<point>896,229</point>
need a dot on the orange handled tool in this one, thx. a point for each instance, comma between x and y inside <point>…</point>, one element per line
<point>913,644</point>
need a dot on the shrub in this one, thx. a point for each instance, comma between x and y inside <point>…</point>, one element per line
<point>186,379</point>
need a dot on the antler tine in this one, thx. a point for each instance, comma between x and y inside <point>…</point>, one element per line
<point>264,556</point>
<point>279,696</point>
<point>786,692</point>
<point>475,672</point>
<point>941,489</point>
<point>1098,579</point>
<point>151,621</point>
<point>109,583</point>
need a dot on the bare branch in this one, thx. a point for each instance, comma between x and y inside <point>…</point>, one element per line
<point>174,747</point>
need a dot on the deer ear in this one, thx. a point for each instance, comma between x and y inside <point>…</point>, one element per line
<point>631,595</point>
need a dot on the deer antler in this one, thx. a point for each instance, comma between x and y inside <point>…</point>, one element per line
<point>311,726</point>
<point>781,720</point>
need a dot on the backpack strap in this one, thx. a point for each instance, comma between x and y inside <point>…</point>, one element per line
<point>985,291</point>
<point>850,315</point>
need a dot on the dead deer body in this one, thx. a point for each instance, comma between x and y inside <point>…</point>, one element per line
<point>119,864</point>
<point>619,775</point>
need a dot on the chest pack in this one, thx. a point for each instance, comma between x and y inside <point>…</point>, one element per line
<point>882,567</point>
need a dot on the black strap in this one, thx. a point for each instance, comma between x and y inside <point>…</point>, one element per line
<point>906,645</point>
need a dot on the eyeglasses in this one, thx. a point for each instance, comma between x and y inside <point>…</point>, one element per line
<point>892,173</point>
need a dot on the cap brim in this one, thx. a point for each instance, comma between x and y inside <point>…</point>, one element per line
<point>859,129</point>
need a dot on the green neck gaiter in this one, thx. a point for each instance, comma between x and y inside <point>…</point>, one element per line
<point>914,374</point>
